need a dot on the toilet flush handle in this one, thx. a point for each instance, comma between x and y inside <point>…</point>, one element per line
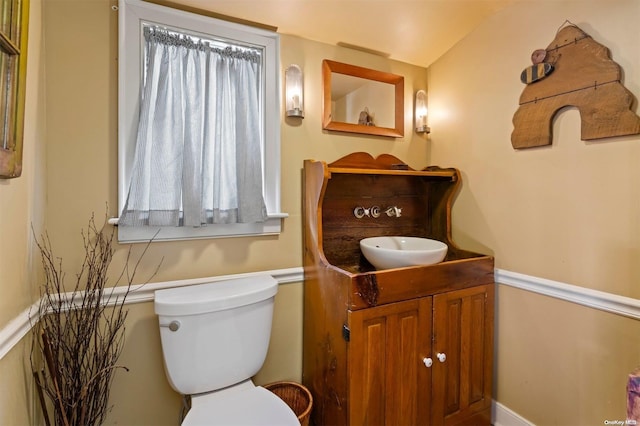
<point>173,325</point>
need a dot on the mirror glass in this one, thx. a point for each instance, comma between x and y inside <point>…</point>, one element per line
<point>361,100</point>
<point>357,100</point>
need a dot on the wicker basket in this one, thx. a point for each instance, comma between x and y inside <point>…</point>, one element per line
<point>296,396</point>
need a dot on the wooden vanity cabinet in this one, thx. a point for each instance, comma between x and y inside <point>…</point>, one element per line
<point>463,332</point>
<point>395,374</point>
<point>388,382</point>
<point>369,335</point>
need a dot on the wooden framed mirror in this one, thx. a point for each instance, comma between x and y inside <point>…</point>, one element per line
<point>362,100</point>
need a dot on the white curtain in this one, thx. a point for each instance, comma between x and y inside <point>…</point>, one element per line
<point>198,153</point>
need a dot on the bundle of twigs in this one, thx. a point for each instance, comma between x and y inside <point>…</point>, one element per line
<point>80,334</point>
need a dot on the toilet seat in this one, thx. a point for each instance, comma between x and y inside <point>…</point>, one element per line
<point>243,404</point>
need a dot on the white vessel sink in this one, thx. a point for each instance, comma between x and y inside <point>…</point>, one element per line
<point>398,252</point>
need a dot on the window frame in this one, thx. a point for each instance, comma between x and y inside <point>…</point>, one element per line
<point>15,45</point>
<point>132,15</point>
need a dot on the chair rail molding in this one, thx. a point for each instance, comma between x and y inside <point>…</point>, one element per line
<point>628,307</point>
<point>17,328</point>
<point>20,326</point>
<point>603,301</point>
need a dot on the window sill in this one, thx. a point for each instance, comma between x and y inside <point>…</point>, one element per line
<point>129,234</point>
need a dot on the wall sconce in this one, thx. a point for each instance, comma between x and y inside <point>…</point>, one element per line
<point>294,91</point>
<point>421,112</point>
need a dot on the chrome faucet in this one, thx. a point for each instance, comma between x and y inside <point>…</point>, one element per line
<point>393,211</point>
<point>375,212</point>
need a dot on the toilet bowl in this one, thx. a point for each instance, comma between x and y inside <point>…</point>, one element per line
<point>214,338</point>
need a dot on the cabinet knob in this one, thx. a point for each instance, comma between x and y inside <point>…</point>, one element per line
<point>441,357</point>
<point>428,362</point>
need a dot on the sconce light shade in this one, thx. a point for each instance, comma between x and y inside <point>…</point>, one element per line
<point>421,112</point>
<point>294,91</point>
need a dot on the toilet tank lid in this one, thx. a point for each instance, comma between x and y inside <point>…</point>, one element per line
<point>215,296</point>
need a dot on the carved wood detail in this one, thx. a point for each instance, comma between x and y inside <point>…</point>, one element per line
<point>584,77</point>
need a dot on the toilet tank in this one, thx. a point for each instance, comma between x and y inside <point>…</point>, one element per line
<point>217,334</point>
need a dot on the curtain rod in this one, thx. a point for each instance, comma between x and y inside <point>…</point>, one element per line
<point>211,14</point>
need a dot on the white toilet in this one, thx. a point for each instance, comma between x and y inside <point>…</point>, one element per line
<point>214,339</point>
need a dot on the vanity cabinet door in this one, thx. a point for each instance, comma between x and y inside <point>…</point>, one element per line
<point>389,383</point>
<point>462,356</point>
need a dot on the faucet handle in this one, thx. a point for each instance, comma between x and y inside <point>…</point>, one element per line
<point>393,211</point>
<point>359,212</point>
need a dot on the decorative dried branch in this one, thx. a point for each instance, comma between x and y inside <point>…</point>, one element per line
<point>80,334</point>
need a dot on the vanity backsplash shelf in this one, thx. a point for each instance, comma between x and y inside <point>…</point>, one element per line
<point>423,197</point>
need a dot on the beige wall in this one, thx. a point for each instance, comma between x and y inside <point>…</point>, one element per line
<point>22,206</point>
<point>81,50</point>
<point>569,212</point>
<point>18,404</point>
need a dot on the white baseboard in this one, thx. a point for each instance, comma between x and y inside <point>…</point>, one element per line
<point>502,416</point>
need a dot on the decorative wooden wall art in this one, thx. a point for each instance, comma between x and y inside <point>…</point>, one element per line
<point>574,70</point>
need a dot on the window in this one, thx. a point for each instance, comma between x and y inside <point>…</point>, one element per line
<point>207,50</point>
<point>14,28</point>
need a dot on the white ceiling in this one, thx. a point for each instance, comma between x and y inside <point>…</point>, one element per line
<point>413,31</point>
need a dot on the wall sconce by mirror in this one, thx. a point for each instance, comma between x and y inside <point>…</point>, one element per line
<point>294,91</point>
<point>421,112</point>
